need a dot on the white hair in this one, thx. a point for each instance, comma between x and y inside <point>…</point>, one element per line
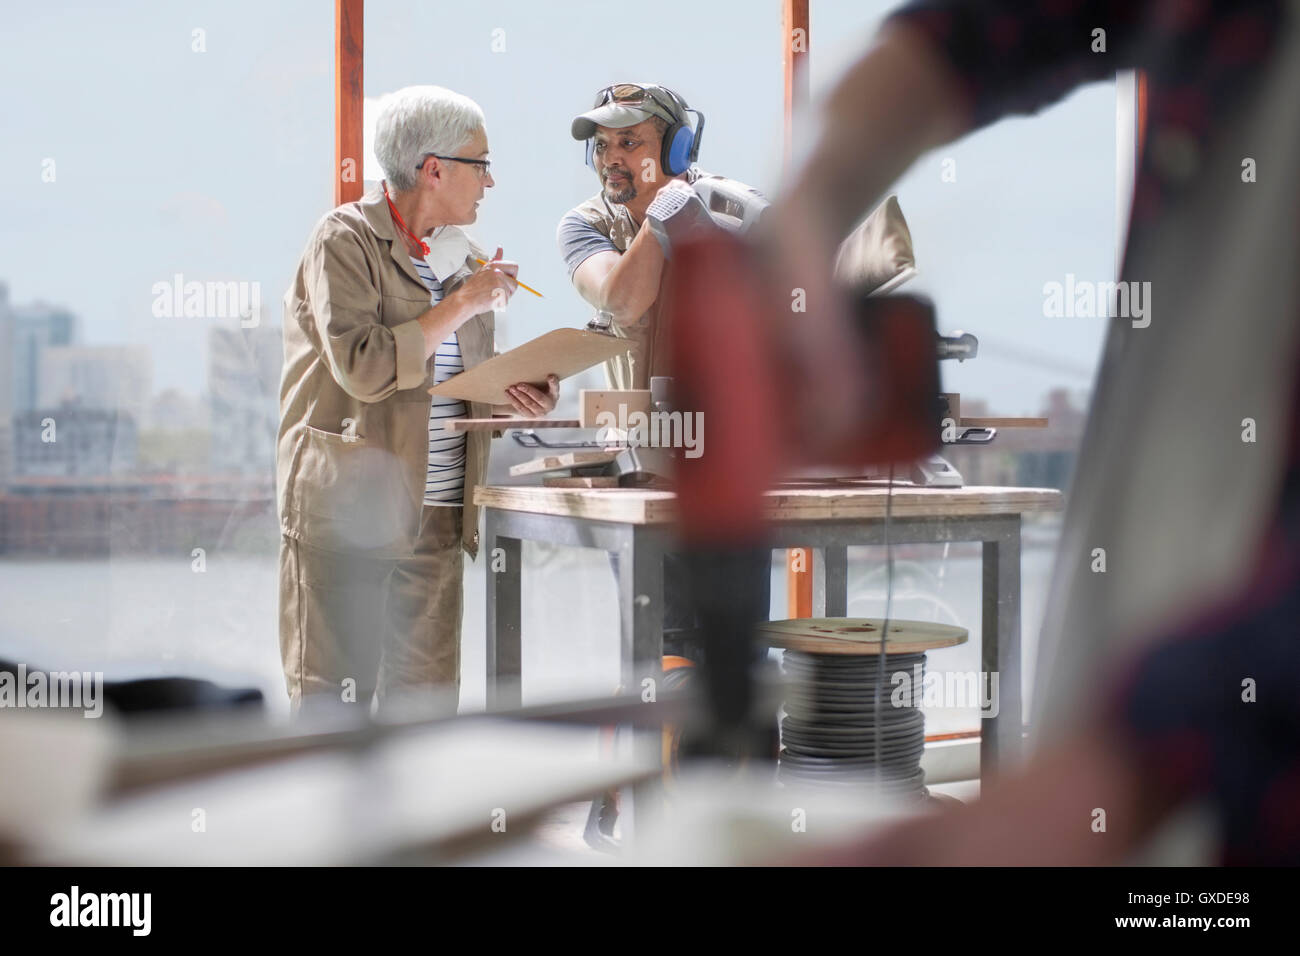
<point>418,120</point>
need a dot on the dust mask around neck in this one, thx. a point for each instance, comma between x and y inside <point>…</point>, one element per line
<point>448,249</point>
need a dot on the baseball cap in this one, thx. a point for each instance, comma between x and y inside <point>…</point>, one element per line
<point>626,104</point>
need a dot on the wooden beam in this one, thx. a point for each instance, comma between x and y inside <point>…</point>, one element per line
<point>794,59</point>
<point>799,582</point>
<point>349,98</point>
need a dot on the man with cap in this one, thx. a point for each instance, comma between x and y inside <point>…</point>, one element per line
<point>642,146</point>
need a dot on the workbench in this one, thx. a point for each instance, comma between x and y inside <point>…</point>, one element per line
<point>637,525</point>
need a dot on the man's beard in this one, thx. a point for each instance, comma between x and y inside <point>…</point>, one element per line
<point>625,195</point>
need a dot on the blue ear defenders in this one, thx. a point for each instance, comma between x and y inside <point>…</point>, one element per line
<point>681,144</point>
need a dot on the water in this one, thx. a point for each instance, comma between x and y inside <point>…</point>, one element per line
<point>148,616</point>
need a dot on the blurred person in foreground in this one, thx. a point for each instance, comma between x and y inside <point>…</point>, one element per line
<point>375,497</point>
<point>1170,679</point>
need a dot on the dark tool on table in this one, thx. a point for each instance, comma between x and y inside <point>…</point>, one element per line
<point>934,470</point>
<point>607,459</point>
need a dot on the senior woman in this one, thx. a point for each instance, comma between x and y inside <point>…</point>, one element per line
<point>374,496</point>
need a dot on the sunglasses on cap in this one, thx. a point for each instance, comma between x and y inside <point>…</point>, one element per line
<point>642,97</point>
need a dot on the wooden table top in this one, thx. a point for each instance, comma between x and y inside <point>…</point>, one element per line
<point>639,506</point>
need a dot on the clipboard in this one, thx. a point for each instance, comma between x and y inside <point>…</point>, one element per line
<point>562,351</point>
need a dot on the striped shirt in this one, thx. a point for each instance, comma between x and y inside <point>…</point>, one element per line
<point>444,485</point>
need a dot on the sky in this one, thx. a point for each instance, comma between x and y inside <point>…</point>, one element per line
<point>216,164</point>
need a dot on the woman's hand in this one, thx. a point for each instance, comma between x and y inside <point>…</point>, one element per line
<point>487,289</point>
<point>531,402</point>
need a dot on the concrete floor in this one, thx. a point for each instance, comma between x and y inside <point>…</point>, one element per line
<point>557,838</point>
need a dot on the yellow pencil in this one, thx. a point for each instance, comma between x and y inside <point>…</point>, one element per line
<point>483,262</point>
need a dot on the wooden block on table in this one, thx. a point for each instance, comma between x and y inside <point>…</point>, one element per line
<point>572,459</point>
<point>600,481</point>
<point>503,422</point>
<point>593,401</point>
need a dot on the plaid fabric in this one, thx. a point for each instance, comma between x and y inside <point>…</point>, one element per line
<point>1212,711</point>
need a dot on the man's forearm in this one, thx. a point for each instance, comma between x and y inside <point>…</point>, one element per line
<point>632,286</point>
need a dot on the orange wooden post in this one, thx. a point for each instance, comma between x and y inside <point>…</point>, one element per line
<point>794,59</point>
<point>1141,115</point>
<point>349,98</point>
<point>799,582</point>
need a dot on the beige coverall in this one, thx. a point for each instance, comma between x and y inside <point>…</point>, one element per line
<point>370,577</point>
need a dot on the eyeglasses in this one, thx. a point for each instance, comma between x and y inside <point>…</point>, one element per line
<point>482,164</point>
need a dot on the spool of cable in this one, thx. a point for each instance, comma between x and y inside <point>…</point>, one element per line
<point>836,731</point>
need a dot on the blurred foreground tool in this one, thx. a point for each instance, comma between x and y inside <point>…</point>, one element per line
<point>730,335</point>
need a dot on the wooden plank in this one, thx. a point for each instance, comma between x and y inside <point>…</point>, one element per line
<point>642,506</point>
<point>593,401</point>
<point>1004,422</point>
<point>349,98</point>
<point>817,503</point>
<point>572,459</point>
<point>607,481</point>
<point>505,422</point>
<point>629,505</point>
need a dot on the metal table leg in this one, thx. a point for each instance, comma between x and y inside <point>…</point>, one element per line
<point>503,602</point>
<point>641,649</point>
<point>1000,741</point>
<point>837,581</point>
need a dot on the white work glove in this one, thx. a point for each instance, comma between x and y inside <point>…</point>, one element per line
<point>676,212</point>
